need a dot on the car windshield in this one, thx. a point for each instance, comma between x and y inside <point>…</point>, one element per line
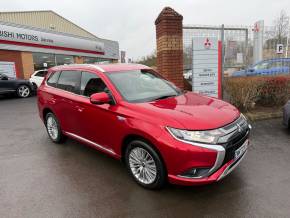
<point>261,66</point>
<point>142,85</point>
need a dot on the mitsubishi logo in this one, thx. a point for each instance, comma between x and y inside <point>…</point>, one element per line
<point>256,28</point>
<point>207,44</point>
<point>239,128</point>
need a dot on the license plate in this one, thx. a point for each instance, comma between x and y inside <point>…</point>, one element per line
<point>239,152</point>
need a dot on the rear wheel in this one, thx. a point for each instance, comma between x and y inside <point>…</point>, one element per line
<point>53,128</point>
<point>145,165</point>
<point>23,91</point>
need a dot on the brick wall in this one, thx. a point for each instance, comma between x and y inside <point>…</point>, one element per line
<point>170,46</point>
<point>23,62</point>
<point>13,56</point>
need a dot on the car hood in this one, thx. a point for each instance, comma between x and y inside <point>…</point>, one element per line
<point>191,111</point>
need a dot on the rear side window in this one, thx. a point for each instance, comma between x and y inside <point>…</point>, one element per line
<point>41,73</point>
<point>91,83</point>
<point>52,80</point>
<point>69,81</point>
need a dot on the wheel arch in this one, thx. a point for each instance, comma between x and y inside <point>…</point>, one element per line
<point>23,83</point>
<point>45,111</point>
<point>131,137</point>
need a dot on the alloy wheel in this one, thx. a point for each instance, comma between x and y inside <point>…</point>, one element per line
<point>23,91</point>
<point>142,165</point>
<point>52,127</point>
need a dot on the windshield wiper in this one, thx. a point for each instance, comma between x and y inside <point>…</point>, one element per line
<point>164,96</point>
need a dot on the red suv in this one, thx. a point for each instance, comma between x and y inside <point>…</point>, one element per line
<point>132,113</point>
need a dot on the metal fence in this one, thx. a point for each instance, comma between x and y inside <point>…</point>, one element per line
<point>237,44</point>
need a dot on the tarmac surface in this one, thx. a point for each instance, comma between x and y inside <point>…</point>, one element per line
<point>41,179</point>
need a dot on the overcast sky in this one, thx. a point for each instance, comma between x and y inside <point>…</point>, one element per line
<point>131,22</point>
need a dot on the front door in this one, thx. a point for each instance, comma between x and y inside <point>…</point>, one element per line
<point>97,123</point>
<point>6,85</point>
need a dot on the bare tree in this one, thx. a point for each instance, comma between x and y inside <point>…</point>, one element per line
<point>281,26</point>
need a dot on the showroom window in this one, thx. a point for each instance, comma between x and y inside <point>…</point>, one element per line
<point>95,60</point>
<point>64,59</point>
<point>43,61</point>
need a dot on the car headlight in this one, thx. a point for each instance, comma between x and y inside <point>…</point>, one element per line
<point>208,136</point>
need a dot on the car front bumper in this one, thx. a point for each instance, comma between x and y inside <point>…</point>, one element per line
<point>191,163</point>
<point>225,170</point>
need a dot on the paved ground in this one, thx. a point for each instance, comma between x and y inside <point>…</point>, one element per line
<point>41,179</point>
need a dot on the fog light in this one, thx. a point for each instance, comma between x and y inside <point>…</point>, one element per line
<point>195,172</point>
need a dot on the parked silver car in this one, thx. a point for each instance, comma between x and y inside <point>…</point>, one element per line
<point>286,114</point>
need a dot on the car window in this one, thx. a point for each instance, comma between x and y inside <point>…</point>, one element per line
<point>91,83</point>
<point>262,66</point>
<point>69,81</point>
<point>41,73</point>
<point>52,80</point>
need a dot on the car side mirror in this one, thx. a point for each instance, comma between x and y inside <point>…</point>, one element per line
<point>100,98</point>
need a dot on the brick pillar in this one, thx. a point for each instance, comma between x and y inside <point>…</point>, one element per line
<point>78,60</point>
<point>169,46</point>
<point>27,64</point>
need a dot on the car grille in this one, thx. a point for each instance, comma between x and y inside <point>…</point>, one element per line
<point>233,145</point>
<point>239,134</point>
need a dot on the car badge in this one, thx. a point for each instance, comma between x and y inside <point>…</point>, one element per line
<point>239,128</point>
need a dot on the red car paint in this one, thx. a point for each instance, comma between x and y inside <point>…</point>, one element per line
<point>114,123</point>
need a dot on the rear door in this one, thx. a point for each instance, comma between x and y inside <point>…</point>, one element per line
<point>66,107</point>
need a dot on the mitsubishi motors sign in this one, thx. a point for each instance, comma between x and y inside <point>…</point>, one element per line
<point>206,54</point>
<point>24,39</point>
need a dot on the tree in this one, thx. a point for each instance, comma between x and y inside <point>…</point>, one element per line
<point>149,60</point>
<point>281,27</point>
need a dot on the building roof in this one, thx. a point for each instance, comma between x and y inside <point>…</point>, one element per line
<point>47,19</point>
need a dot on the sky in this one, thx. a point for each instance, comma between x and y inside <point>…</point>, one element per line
<point>131,22</point>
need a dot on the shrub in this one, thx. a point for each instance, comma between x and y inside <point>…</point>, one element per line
<point>246,92</point>
<point>243,92</point>
<point>275,91</point>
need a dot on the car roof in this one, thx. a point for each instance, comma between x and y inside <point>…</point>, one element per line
<point>101,67</point>
<point>275,59</point>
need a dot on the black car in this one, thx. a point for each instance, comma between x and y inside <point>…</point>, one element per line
<point>23,88</point>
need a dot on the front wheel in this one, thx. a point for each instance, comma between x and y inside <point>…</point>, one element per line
<point>23,91</point>
<point>145,165</point>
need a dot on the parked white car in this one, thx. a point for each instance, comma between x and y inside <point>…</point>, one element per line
<point>37,77</point>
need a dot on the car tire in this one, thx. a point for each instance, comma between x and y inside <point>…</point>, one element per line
<point>35,86</point>
<point>23,91</point>
<point>145,165</point>
<point>53,128</point>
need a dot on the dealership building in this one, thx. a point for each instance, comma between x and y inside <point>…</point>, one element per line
<point>34,40</point>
